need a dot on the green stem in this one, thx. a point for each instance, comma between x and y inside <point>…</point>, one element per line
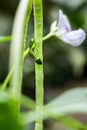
<point>47,36</point>
<point>38,20</point>
<point>8,77</point>
<point>26,52</point>
<point>9,38</point>
<point>5,38</point>
<point>17,47</point>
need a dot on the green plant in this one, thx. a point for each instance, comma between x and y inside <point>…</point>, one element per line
<point>11,100</point>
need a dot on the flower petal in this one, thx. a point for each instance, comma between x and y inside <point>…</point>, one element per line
<point>74,38</point>
<point>63,23</point>
<point>53,26</point>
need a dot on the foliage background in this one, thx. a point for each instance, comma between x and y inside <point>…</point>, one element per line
<point>64,66</point>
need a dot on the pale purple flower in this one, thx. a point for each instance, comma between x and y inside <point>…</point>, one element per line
<point>63,31</point>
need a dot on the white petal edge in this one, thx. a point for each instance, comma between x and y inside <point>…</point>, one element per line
<point>53,26</point>
<point>74,38</point>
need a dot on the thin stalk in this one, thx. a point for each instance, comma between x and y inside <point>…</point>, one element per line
<point>17,48</point>
<point>5,38</point>
<point>18,45</point>
<point>9,38</point>
<point>38,21</point>
<point>26,53</point>
<point>47,36</point>
<point>8,77</point>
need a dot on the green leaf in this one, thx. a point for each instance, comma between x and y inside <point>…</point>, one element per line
<point>71,123</point>
<point>27,102</point>
<point>72,101</point>
<point>8,116</point>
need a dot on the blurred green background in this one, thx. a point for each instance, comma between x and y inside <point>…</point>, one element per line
<point>64,66</point>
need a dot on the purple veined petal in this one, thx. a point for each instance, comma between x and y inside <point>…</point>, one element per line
<point>63,23</point>
<point>74,38</point>
<point>67,23</point>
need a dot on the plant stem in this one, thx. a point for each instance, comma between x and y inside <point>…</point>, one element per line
<point>38,20</point>
<point>18,45</point>
<point>5,38</point>
<point>47,36</point>
<point>8,77</point>
<point>17,48</point>
<point>26,52</point>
